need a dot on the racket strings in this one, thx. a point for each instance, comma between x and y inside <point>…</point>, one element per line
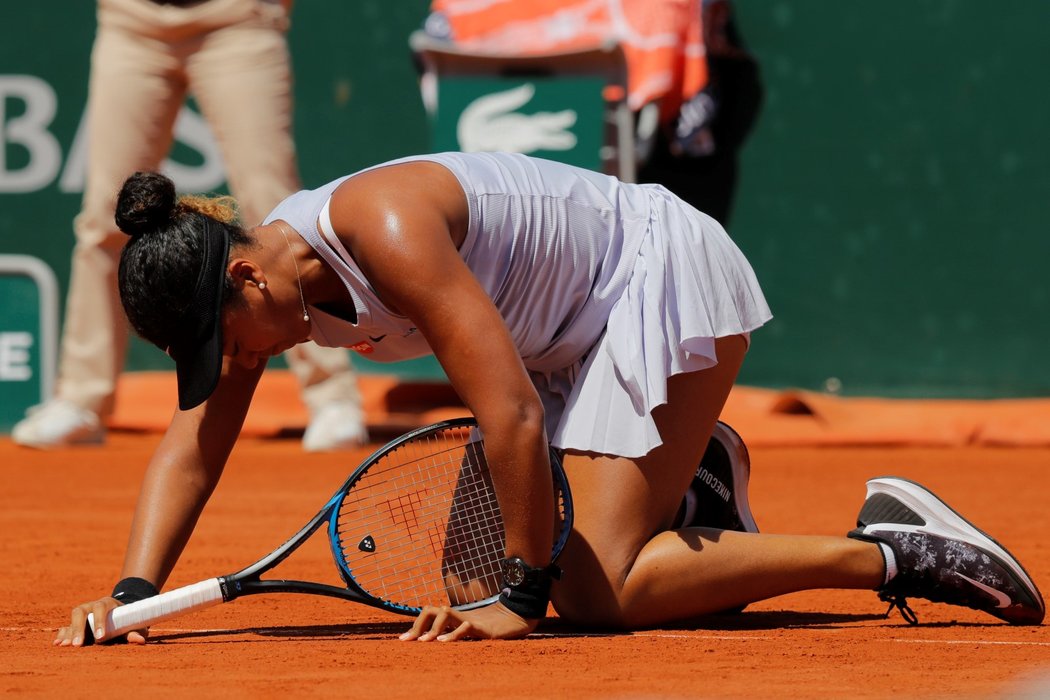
<point>423,526</point>
<point>407,505</point>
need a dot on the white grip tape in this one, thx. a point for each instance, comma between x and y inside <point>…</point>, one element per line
<point>149,611</point>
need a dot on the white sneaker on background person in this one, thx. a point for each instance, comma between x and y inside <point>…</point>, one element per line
<point>58,423</point>
<point>338,425</point>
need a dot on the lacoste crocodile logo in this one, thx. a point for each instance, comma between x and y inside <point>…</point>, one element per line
<point>490,123</point>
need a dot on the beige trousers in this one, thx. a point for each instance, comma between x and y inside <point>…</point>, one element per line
<point>232,55</point>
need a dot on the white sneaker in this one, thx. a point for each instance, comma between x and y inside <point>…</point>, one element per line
<point>58,423</point>
<point>339,425</point>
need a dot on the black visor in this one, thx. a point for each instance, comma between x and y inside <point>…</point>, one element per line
<point>197,347</point>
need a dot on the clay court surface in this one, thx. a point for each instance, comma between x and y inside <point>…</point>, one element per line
<point>66,515</point>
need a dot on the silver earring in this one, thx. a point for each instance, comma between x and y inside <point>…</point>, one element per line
<point>262,285</point>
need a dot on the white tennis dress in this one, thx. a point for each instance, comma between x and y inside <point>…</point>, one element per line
<point>607,289</point>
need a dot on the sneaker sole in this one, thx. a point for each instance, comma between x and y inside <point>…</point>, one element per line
<point>946,522</point>
<point>93,439</point>
<point>741,464</point>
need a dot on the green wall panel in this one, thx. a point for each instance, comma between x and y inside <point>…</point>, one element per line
<point>894,197</point>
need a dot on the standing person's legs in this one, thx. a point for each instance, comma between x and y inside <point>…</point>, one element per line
<point>623,569</point>
<point>241,76</point>
<point>134,96</point>
<point>331,394</point>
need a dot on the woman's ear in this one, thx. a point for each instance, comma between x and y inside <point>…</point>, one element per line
<point>246,273</point>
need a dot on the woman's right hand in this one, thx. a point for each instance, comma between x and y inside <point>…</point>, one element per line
<point>75,634</point>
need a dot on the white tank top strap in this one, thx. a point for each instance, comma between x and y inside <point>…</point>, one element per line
<point>324,220</point>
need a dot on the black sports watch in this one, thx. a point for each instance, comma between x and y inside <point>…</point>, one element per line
<point>516,572</point>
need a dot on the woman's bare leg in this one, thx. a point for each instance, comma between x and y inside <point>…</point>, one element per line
<point>623,568</point>
<point>697,571</point>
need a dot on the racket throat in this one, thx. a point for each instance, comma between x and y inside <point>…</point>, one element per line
<point>230,587</point>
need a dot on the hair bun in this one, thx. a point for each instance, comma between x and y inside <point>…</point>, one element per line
<point>146,203</point>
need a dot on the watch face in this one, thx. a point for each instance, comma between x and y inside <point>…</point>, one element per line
<point>513,572</point>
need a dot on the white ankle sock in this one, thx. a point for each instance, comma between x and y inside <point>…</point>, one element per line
<point>891,561</point>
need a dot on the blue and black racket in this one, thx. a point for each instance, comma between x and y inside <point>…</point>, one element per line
<point>416,524</point>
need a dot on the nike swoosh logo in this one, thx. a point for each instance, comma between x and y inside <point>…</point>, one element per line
<point>376,340</point>
<point>1000,597</point>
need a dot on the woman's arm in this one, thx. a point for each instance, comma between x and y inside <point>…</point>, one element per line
<point>402,224</point>
<point>183,473</point>
<point>178,482</point>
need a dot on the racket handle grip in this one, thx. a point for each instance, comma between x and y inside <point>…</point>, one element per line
<point>149,611</point>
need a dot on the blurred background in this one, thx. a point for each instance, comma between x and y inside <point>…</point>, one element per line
<point>892,196</point>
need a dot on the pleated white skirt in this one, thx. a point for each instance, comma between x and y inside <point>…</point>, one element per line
<point>690,285</point>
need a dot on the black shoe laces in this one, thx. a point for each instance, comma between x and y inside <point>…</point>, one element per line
<point>896,600</point>
<point>925,585</point>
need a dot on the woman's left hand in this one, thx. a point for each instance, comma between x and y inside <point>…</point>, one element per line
<point>446,624</point>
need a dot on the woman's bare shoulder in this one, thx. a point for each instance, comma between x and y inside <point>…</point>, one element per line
<point>398,194</point>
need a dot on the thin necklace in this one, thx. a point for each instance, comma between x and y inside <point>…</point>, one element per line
<point>298,279</point>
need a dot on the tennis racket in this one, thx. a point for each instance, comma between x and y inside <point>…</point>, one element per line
<point>416,524</point>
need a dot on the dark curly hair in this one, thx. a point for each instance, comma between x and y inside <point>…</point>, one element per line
<point>160,264</point>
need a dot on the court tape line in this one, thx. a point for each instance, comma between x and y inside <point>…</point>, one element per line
<point>657,635</point>
<point>964,641</point>
<point>751,638</point>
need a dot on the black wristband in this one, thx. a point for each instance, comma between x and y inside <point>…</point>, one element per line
<point>528,597</point>
<point>132,589</point>
<point>527,604</point>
